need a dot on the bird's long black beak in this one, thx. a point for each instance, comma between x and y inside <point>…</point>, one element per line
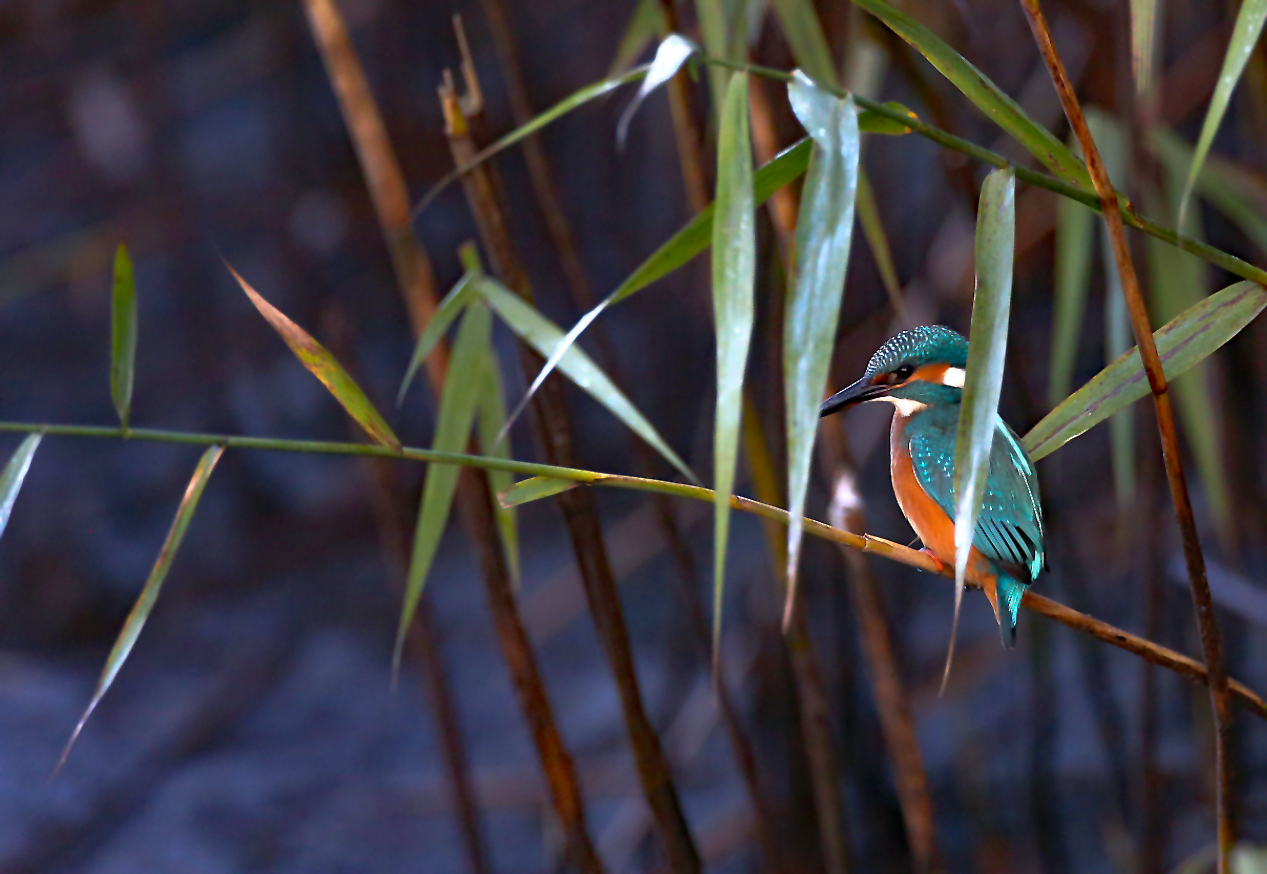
<point>860,391</point>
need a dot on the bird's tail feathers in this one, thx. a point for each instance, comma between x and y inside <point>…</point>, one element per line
<point>1009,593</point>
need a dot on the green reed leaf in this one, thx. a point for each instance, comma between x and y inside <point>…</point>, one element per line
<point>824,231</point>
<point>983,382</point>
<point>446,313</point>
<point>673,52</point>
<point>1181,343</point>
<point>878,242</point>
<point>545,336</point>
<point>734,275</point>
<point>458,403</point>
<point>1179,281</point>
<point>534,489</point>
<point>123,334</point>
<point>572,102</point>
<point>1075,238</point>
<point>804,32</point>
<point>987,96</point>
<point>324,367</point>
<point>646,22</point>
<point>149,594</point>
<point>1245,33</point>
<point>14,475</point>
<point>1143,38</point>
<point>1233,189</point>
<point>492,418</point>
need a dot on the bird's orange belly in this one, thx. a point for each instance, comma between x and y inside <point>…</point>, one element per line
<point>926,516</point>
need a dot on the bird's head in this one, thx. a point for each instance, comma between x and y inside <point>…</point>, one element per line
<point>918,368</point>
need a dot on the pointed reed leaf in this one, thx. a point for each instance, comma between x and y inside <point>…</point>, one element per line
<point>1180,281</point>
<point>734,275</point>
<point>458,402</point>
<point>646,22</point>
<point>324,367</point>
<point>1112,141</point>
<point>122,334</point>
<point>871,122</point>
<point>544,336</point>
<point>1181,343</point>
<point>1075,239</point>
<point>987,96</point>
<point>987,351</point>
<point>804,34</point>
<point>714,32</point>
<point>534,489</point>
<point>783,169</point>
<point>572,102</point>
<point>669,58</point>
<point>149,593</point>
<point>492,418</point>
<point>1143,37</point>
<point>446,313</point>
<point>824,230</point>
<point>1245,33</point>
<point>1233,189</point>
<point>14,475</point>
<point>878,242</point>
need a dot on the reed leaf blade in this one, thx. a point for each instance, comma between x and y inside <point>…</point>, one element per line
<point>123,325</point>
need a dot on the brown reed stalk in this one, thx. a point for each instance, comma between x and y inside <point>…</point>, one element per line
<point>413,271</point>
<point>541,176</point>
<point>553,430</point>
<point>1207,624</point>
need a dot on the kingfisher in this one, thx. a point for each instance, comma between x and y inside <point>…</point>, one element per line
<point>921,372</point>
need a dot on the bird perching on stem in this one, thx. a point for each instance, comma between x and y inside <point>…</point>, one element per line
<point>921,372</point>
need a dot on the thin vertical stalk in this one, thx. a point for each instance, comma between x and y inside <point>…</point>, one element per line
<point>417,285</point>
<point>559,228</point>
<point>553,428</point>
<point>1220,698</point>
<point>892,701</point>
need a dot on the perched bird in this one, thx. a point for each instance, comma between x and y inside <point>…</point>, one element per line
<point>921,372</point>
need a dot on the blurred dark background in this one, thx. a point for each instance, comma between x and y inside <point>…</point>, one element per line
<point>254,729</point>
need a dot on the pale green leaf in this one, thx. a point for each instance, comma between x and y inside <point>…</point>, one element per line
<point>987,351</point>
<point>492,417</point>
<point>545,336</point>
<point>568,104</point>
<point>786,167</point>
<point>804,33</point>
<point>669,58</point>
<point>149,594</point>
<point>1181,343</point>
<point>14,475</point>
<point>534,489</point>
<point>446,313</point>
<point>646,22</point>
<point>878,242</point>
<point>323,365</point>
<point>824,231</point>
<point>1234,190</point>
<point>123,334</point>
<point>987,96</point>
<point>1245,33</point>
<point>1075,236</point>
<point>458,403</point>
<point>1143,39</point>
<point>734,276</point>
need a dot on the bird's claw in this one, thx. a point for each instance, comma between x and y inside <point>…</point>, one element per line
<point>941,565</point>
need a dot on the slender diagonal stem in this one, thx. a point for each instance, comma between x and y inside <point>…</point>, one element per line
<point>1220,698</point>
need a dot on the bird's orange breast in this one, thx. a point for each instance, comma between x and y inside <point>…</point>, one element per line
<point>926,516</point>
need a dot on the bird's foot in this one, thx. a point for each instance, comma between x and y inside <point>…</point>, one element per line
<point>941,565</point>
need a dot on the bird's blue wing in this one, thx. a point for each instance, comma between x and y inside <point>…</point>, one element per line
<point>1010,527</point>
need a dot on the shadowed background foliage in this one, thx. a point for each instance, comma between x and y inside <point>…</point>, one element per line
<point>254,728</point>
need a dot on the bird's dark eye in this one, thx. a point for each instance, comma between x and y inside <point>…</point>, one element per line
<point>904,372</point>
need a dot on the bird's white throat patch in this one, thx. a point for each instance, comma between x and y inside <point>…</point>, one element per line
<point>906,406</point>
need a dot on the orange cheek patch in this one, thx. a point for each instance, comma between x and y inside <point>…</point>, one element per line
<point>934,373</point>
